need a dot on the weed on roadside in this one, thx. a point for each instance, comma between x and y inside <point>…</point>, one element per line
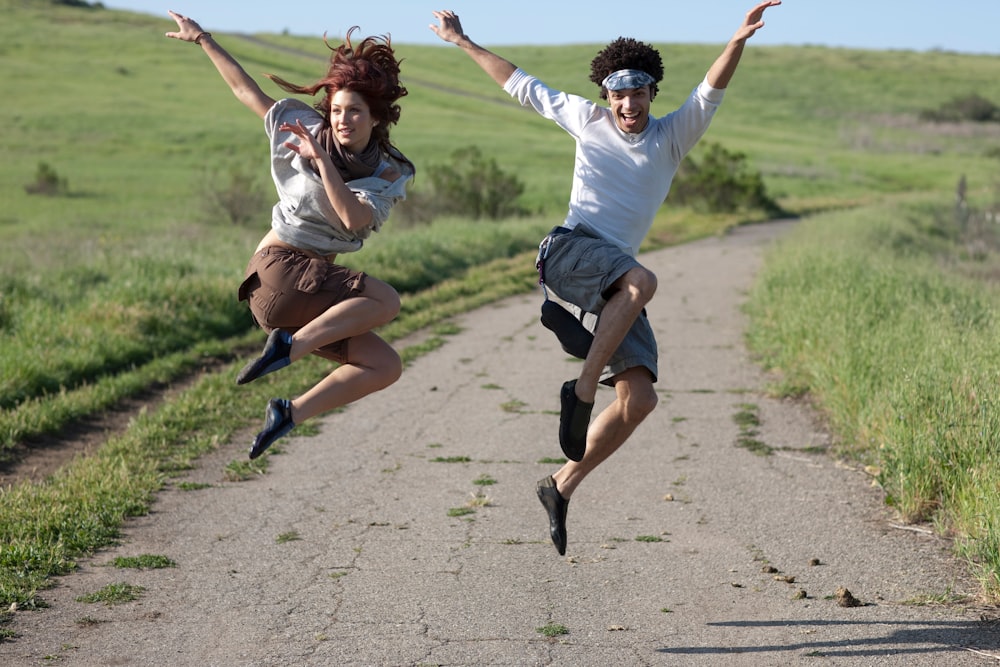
<point>241,471</point>
<point>552,630</point>
<point>480,499</point>
<point>193,486</point>
<point>513,405</point>
<point>113,594</point>
<point>451,459</point>
<point>748,420</point>
<point>484,480</point>
<point>143,562</point>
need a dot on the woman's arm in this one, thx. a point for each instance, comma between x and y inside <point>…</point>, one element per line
<point>245,88</point>
<point>353,214</point>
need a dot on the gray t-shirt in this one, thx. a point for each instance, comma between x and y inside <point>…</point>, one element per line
<point>303,216</point>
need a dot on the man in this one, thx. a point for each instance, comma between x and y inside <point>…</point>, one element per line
<point>625,162</point>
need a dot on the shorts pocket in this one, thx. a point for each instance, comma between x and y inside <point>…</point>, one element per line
<point>313,276</point>
<point>247,287</point>
<point>262,305</point>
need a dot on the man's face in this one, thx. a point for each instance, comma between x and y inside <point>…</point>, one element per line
<point>630,108</point>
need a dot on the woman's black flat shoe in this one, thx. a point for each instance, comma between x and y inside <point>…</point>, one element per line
<point>275,355</point>
<point>277,424</point>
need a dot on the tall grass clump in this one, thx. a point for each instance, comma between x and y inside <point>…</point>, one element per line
<point>869,313</point>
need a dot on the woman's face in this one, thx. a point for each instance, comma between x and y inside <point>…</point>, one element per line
<point>351,120</point>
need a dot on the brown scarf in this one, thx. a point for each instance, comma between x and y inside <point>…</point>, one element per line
<point>350,165</point>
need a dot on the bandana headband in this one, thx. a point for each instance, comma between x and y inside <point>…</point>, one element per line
<point>627,78</point>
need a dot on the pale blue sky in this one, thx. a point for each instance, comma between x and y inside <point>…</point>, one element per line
<point>968,26</point>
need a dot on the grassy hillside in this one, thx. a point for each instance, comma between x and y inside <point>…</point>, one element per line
<point>134,120</point>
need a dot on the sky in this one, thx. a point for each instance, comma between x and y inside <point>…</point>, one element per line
<point>965,26</point>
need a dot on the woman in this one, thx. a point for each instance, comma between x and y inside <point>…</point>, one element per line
<point>337,176</point>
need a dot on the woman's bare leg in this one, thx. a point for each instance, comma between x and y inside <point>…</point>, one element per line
<point>373,365</point>
<point>377,305</point>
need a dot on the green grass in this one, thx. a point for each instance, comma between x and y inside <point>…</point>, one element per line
<point>113,594</point>
<point>126,284</point>
<point>876,315</point>
<point>552,630</point>
<point>143,562</point>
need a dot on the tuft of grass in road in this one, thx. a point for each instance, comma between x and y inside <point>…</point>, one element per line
<point>143,562</point>
<point>113,594</point>
<point>451,459</point>
<point>552,630</point>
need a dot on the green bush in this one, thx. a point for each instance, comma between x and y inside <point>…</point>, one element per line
<point>720,182</point>
<point>233,194</point>
<point>473,186</point>
<point>972,107</point>
<point>47,182</point>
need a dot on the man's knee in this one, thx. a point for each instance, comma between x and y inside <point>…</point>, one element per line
<point>638,397</point>
<point>639,282</point>
<point>641,403</point>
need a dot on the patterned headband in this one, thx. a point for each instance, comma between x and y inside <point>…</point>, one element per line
<point>627,78</point>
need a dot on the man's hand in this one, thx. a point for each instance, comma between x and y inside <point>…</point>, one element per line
<point>754,20</point>
<point>450,29</point>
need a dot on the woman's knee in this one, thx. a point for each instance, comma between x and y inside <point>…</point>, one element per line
<point>392,369</point>
<point>386,296</point>
<point>381,360</point>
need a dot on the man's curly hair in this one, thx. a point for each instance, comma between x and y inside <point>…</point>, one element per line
<point>626,53</point>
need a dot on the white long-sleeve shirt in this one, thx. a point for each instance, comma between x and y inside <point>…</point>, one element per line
<point>619,179</point>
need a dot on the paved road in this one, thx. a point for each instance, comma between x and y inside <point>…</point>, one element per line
<point>669,541</point>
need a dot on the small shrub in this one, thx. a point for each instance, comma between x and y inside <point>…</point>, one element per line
<point>47,182</point>
<point>721,182</point>
<point>975,108</point>
<point>474,186</point>
<point>234,195</point>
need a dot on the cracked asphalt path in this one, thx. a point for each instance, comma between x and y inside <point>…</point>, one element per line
<point>684,548</point>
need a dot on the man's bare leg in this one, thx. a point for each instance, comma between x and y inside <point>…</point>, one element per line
<point>631,294</point>
<point>635,399</point>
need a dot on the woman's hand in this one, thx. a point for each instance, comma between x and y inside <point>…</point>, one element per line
<point>308,147</point>
<point>188,29</point>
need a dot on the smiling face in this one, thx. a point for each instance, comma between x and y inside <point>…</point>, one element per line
<point>630,108</point>
<point>351,120</point>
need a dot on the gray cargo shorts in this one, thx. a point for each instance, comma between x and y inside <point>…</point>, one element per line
<point>580,267</point>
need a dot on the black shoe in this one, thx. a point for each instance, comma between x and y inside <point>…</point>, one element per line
<point>556,506</point>
<point>274,356</point>
<point>574,418</point>
<point>574,338</point>
<point>277,423</point>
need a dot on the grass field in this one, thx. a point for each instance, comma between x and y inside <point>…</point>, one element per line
<point>126,281</point>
